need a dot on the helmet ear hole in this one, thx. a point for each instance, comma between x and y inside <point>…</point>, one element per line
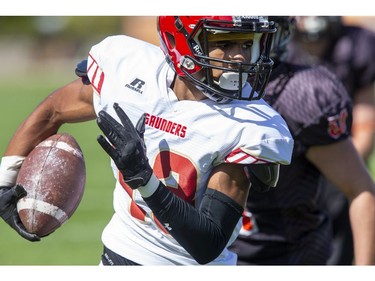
<point>171,40</point>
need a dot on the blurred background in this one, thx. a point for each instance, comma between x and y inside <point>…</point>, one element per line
<point>37,56</point>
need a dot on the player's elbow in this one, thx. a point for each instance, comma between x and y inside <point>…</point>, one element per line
<point>206,255</point>
<point>208,247</point>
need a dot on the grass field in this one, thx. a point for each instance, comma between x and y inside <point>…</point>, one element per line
<point>78,241</point>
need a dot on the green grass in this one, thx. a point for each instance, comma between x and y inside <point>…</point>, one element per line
<point>77,242</point>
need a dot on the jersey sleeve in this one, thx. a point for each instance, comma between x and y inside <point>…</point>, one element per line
<point>263,137</point>
<point>331,127</point>
<point>104,57</point>
<point>317,108</point>
<point>95,62</point>
<point>334,117</point>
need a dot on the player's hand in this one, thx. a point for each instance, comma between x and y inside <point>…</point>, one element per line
<point>9,197</point>
<point>126,146</point>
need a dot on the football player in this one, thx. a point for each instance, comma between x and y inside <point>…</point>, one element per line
<point>347,51</point>
<point>187,131</point>
<point>288,225</point>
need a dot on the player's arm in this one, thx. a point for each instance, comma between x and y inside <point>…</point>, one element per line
<point>203,232</point>
<point>363,129</point>
<point>341,164</point>
<point>69,104</point>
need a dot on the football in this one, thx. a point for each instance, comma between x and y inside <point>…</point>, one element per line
<point>54,176</point>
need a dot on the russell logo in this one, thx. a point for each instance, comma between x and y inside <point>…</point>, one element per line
<point>136,85</point>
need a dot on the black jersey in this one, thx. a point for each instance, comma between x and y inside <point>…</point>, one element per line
<point>290,227</point>
<point>349,56</point>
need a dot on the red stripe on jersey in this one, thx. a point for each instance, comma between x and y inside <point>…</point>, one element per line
<point>92,63</point>
<point>233,153</point>
<point>234,156</point>
<point>238,156</point>
<point>96,82</point>
<point>100,83</point>
<point>244,157</point>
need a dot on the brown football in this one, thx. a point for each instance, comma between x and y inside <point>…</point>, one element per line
<point>54,176</point>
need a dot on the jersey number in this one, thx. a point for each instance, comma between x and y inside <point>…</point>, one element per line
<point>177,173</point>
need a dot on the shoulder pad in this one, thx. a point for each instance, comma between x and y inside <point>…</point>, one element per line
<point>81,71</point>
<point>263,177</point>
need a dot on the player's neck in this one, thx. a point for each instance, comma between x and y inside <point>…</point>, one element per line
<point>184,90</point>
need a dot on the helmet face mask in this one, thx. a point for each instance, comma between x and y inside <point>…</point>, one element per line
<point>185,41</point>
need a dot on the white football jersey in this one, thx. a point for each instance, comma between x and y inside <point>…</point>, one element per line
<point>184,139</point>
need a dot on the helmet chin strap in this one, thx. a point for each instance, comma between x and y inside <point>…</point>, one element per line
<point>230,81</point>
<point>246,90</point>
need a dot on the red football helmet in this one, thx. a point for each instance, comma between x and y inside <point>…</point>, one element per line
<point>184,41</point>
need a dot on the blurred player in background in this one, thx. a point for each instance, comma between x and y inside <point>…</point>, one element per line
<point>288,225</point>
<point>187,131</point>
<point>349,52</point>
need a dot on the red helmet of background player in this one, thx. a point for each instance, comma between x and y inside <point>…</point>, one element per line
<point>184,40</point>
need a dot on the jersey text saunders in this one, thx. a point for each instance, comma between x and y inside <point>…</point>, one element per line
<point>165,125</point>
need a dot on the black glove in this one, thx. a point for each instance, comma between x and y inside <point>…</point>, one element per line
<point>8,210</point>
<point>128,149</point>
